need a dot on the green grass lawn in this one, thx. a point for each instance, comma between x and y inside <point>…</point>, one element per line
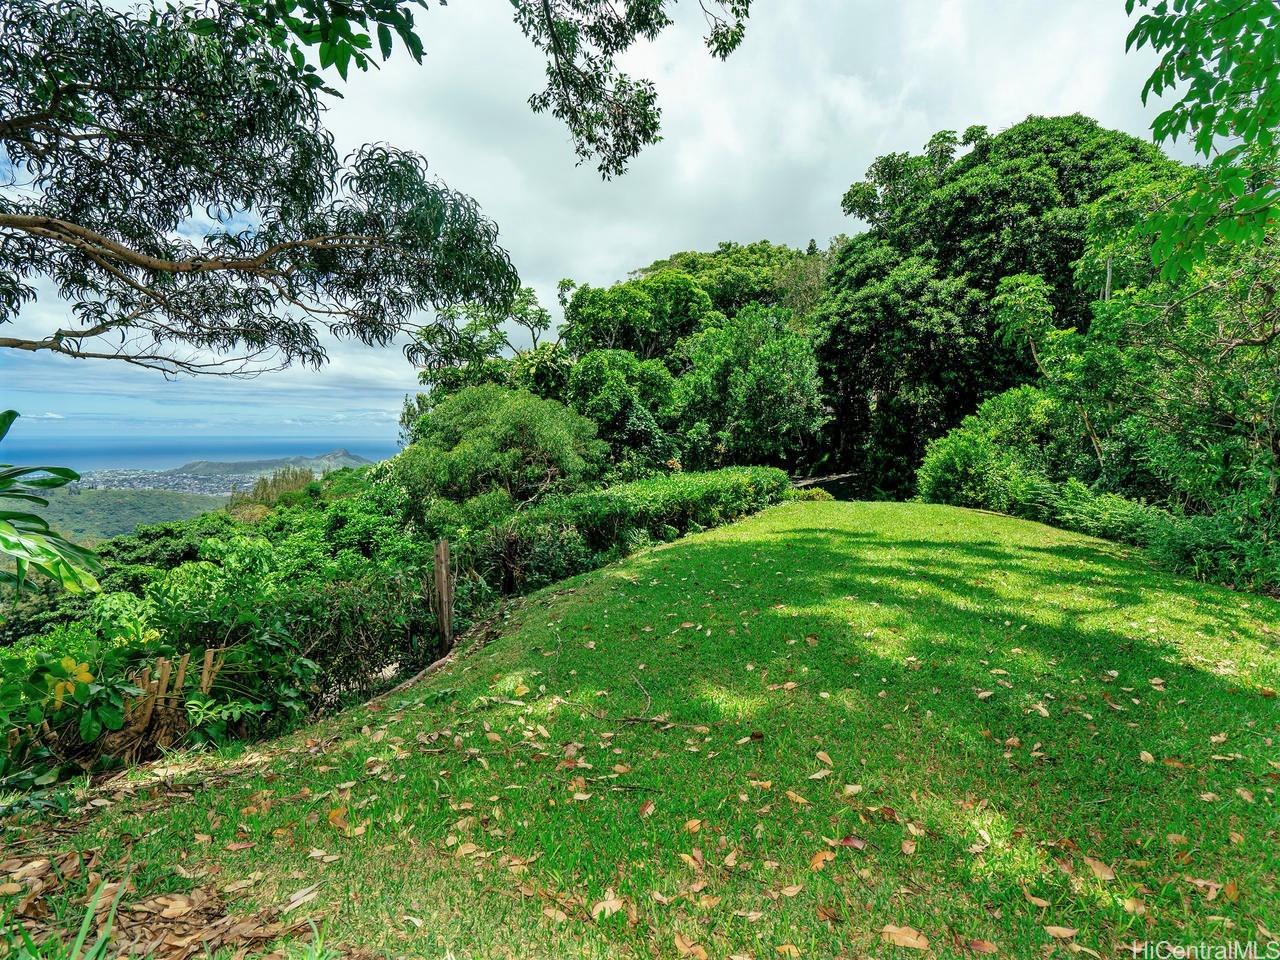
<point>778,738</point>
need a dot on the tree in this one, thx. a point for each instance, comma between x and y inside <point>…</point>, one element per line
<point>628,400</point>
<point>167,173</point>
<point>611,115</point>
<point>735,274</point>
<point>907,336</point>
<point>1221,58</point>
<point>488,438</point>
<point>472,343</point>
<point>1015,202</point>
<point>904,352</point>
<point>170,177</point>
<point>25,539</point>
<point>750,392</point>
<point>646,316</point>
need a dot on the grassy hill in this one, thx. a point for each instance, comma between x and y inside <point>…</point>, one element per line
<point>90,515</point>
<point>820,732</point>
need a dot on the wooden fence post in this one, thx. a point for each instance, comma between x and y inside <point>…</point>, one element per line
<point>444,593</point>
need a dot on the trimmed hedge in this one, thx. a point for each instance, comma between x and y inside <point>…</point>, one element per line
<point>581,531</point>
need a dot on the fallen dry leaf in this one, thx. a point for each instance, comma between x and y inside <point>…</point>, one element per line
<point>300,897</point>
<point>830,914</point>
<point>904,937</point>
<point>1061,933</point>
<point>857,843</point>
<point>1033,899</point>
<point>1100,869</point>
<point>607,907</point>
<point>688,948</point>
<point>821,859</point>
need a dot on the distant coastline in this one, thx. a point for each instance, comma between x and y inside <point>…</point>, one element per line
<point>92,454</point>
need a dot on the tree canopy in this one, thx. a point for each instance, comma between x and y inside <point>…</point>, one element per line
<point>177,187</point>
<point>908,341</point>
<point>169,176</point>
<point>1220,59</point>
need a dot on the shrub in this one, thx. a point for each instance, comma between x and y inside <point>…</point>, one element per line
<point>578,532</point>
<point>318,604</point>
<point>807,495</point>
<point>491,438</point>
<point>1234,546</point>
<point>626,398</point>
<point>750,393</point>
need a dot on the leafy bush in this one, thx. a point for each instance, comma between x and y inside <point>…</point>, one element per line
<point>628,400</point>
<point>491,438</point>
<point>321,602</point>
<point>751,392</point>
<point>1005,458</point>
<point>807,495</point>
<point>578,532</point>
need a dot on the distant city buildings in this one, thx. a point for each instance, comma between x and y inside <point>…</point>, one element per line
<point>217,477</point>
<point>127,479</point>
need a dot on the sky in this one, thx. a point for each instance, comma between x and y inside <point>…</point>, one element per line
<point>761,146</point>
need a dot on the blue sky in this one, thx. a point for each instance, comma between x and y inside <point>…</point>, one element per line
<point>761,146</point>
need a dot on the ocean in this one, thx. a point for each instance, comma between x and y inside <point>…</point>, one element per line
<point>164,453</point>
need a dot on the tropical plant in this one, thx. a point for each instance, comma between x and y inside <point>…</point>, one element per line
<point>627,399</point>
<point>1221,59</point>
<point>750,393</point>
<point>646,316</point>
<point>907,345</point>
<point>25,538</point>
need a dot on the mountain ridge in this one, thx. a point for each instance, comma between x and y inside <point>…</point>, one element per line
<point>334,459</point>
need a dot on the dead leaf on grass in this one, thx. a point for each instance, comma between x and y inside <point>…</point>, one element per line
<point>908,937</point>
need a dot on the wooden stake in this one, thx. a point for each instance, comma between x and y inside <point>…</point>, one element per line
<point>444,593</point>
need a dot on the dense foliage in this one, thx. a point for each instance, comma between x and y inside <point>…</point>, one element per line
<point>1221,60</point>
<point>231,253</point>
<point>489,439</point>
<point>322,597</point>
<point>1159,422</point>
<point>998,337</point>
<point>908,343</point>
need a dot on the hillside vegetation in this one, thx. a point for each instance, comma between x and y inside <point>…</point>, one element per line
<point>90,515</point>
<point>832,729</point>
